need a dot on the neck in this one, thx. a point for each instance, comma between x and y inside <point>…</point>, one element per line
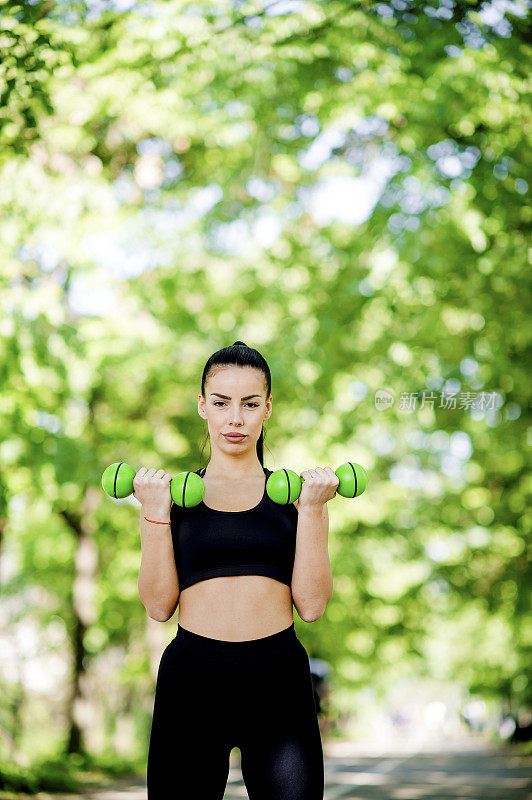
<point>245,465</point>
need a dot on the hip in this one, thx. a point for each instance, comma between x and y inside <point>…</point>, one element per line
<point>260,684</point>
<point>269,671</point>
<point>193,651</point>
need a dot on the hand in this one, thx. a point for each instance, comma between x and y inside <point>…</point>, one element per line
<point>152,489</point>
<point>319,485</point>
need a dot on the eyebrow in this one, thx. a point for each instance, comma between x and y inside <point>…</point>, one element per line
<point>225,397</point>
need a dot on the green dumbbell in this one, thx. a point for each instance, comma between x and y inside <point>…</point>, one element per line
<point>187,488</point>
<point>284,485</point>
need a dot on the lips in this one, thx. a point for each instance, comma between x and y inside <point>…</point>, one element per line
<point>234,438</point>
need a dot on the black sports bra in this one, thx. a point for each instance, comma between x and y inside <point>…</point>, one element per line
<point>258,541</point>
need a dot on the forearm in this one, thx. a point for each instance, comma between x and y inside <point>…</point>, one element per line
<point>312,582</point>
<point>157,584</point>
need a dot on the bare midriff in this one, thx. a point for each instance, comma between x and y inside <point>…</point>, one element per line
<point>235,607</point>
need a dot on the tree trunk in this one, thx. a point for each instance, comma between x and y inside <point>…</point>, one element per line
<point>83,615</point>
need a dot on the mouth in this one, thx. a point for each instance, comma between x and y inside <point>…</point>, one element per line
<point>231,437</point>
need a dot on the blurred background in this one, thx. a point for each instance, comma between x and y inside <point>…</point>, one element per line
<point>345,187</point>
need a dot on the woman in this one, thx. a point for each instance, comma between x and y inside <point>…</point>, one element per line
<point>235,675</point>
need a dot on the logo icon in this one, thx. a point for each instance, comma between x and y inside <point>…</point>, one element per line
<point>384,399</point>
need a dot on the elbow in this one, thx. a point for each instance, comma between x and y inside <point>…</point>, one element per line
<point>161,607</point>
<point>158,616</point>
<point>312,615</point>
<point>161,615</point>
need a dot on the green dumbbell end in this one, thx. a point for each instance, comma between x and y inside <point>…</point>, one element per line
<point>187,489</point>
<point>353,479</point>
<point>284,486</point>
<point>117,479</point>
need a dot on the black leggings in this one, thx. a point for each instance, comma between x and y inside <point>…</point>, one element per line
<point>213,695</point>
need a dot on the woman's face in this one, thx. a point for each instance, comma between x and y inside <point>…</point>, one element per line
<point>235,402</point>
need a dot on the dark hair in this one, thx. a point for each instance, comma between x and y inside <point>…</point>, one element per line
<point>243,356</point>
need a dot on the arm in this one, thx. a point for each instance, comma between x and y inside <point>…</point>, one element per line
<point>158,584</point>
<point>312,583</point>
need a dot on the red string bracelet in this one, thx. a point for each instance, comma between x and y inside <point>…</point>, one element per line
<point>156,521</point>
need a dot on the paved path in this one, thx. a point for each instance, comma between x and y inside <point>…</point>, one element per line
<point>465,769</point>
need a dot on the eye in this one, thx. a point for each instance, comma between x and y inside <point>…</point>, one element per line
<point>221,402</point>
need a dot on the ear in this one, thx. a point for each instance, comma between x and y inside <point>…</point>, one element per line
<point>201,407</point>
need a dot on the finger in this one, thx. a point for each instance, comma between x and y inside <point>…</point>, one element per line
<point>332,475</point>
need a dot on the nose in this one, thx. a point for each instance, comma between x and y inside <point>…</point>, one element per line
<point>236,417</point>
